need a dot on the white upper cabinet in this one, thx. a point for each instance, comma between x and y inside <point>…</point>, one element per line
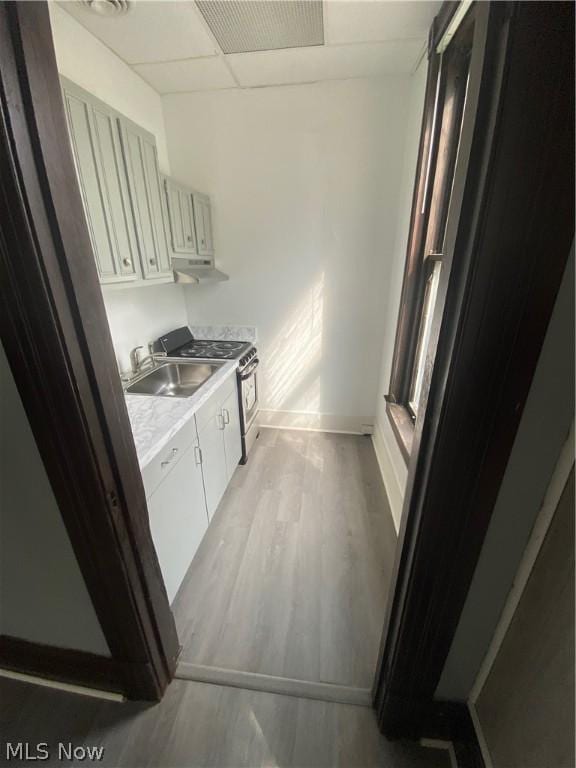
<point>103,185</point>
<point>117,169</point>
<point>181,218</point>
<point>203,224</point>
<point>146,195</point>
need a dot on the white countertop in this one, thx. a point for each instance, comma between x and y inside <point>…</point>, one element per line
<point>155,420</point>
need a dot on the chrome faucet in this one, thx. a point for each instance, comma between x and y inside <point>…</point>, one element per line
<point>137,363</point>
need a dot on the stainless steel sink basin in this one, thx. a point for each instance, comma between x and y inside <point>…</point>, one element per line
<point>173,379</point>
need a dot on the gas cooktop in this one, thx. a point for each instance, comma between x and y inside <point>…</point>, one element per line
<point>219,350</point>
<point>181,343</point>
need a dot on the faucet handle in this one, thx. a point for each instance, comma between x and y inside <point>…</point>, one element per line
<point>156,353</point>
<point>135,358</point>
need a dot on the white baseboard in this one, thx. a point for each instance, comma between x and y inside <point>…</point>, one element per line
<point>286,686</point>
<point>391,482</point>
<point>313,422</point>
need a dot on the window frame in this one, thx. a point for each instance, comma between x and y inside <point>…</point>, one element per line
<point>429,214</point>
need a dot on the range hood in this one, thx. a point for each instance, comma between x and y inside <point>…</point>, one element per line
<point>196,271</point>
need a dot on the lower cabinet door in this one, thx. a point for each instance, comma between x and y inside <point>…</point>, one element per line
<point>211,439</point>
<point>178,519</point>
<point>232,440</point>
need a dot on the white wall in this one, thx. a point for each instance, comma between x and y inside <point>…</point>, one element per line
<point>304,182</point>
<point>139,315</point>
<point>43,597</point>
<point>135,315</point>
<point>392,464</point>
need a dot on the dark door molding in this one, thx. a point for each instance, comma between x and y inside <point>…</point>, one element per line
<point>55,333</point>
<point>508,245</point>
<point>65,665</point>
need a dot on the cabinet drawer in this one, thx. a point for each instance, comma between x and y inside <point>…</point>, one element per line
<point>162,464</point>
<point>213,406</point>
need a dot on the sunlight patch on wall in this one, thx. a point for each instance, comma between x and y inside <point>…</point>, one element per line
<point>294,355</point>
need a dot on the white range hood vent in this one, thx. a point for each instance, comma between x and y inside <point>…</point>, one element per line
<point>194,271</point>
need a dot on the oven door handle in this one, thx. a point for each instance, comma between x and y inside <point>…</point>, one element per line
<point>249,371</point>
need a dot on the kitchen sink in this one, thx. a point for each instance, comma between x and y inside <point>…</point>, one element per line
<point>173,379</point>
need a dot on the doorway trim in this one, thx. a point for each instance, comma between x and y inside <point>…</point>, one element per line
<point>499,298</point>
<point>55,334</point>
<point>508,246</point>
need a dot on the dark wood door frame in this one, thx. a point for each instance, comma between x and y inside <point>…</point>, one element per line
<point>512,240</point>
<point>55,333</point>
<point>508,248</point>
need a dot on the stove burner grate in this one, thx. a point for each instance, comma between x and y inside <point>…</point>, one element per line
<point>218,350</point>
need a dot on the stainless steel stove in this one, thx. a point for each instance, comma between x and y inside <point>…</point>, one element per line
<point>180,343</point>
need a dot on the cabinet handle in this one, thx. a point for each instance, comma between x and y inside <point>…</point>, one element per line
<point>198,455</point>
<point>127,262</point>
<point>189,238</point>
<point>221,422</point>
<point>152,262</point>
<point>170,459</point>
<point>226,415</point>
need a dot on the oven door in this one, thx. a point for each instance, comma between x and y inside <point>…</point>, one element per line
<point>248,390</point>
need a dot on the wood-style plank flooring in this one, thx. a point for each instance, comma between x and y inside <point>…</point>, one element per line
<point>203,725</point>
<point>292,577</point>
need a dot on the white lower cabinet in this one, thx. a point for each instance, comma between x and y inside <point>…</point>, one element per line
<point>186,480</point>
<point>178,519</point>
<point>218,424</point>
<point>211,441</point>
<point>232,438</point>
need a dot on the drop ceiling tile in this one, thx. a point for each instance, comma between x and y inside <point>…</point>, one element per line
<point>304,65</point>
<point>187,76</point>
<point>150,31</point>
<point>354,21</point>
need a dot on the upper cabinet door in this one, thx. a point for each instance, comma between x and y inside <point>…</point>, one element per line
<point>146,195</point>
<point>181,218</point>
<point>99,167</point>
<point>203,222</point>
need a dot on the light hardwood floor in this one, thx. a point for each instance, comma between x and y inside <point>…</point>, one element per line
<point>292,577</point>
<point>204,725</point>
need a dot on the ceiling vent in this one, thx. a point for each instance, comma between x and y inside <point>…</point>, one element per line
<point>107,7</point>
<point>244,26</point>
